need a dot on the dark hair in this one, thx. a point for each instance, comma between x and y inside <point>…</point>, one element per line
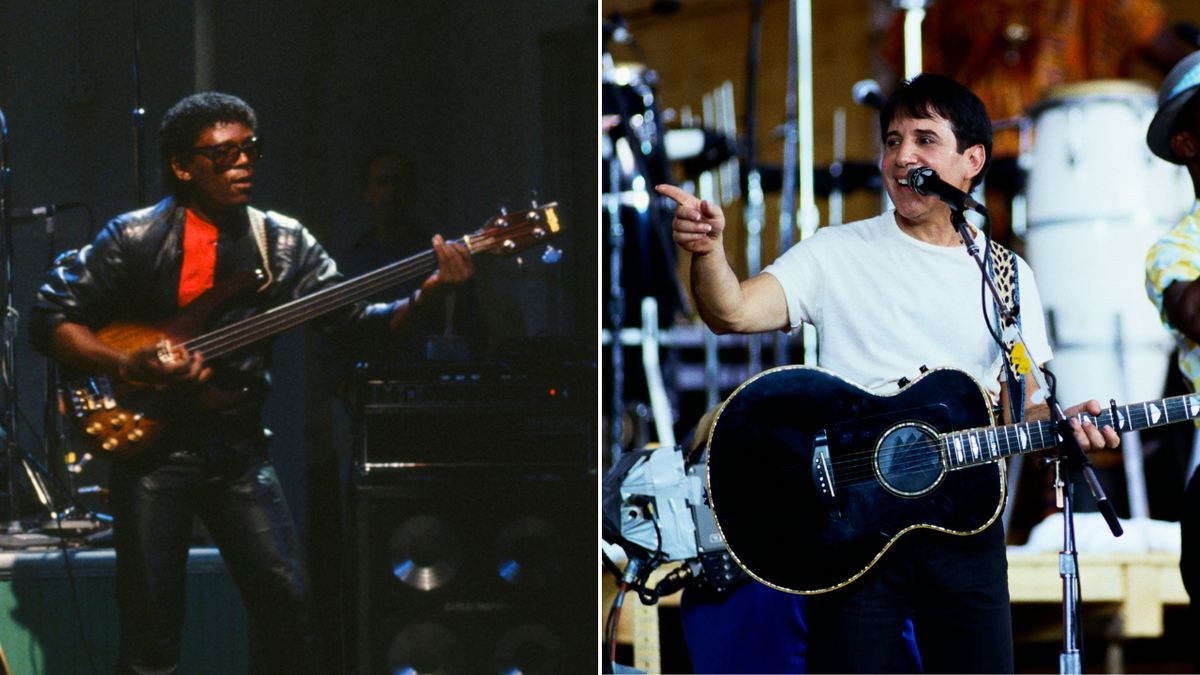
<point>928,95</point>
<point>186,120</point>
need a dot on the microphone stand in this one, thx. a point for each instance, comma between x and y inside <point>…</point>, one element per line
<point>1070,457</point>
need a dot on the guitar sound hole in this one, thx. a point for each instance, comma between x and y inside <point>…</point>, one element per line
<point>908,461</point>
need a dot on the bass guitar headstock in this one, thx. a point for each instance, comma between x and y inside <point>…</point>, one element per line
<point>510,233</point>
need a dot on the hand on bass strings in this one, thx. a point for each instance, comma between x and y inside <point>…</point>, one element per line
<point>144,366</point>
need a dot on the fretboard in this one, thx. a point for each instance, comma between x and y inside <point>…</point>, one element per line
<point>237,335</point>
<point>977,446</point>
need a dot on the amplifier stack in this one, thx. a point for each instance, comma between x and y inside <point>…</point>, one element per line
<point>476,521</point>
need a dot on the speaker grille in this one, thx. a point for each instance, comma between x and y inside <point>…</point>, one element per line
<point>470,571</point>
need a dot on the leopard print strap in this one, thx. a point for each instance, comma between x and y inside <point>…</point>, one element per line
<point>1003,264</point>
<point>1004,274</point>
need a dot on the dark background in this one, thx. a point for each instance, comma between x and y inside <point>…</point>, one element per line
<point>494,103</point>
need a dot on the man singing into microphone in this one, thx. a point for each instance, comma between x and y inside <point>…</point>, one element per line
<point>889,295</point>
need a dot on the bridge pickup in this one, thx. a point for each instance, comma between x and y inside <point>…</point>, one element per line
<point>822,474</point>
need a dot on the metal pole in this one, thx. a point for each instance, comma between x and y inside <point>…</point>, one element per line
<point>616,309</point>
<point>809,217</point>
<point>139,113</point>
<point>914,15</point>
<point>787,196</point>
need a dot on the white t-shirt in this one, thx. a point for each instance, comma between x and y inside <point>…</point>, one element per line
<point>884,304</point>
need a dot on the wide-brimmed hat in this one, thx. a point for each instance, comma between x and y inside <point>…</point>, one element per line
<point>1182,82</point>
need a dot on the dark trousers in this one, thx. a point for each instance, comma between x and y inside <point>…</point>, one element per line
<point>957,590</point>
<point>1189,557</point>
<point>757,629</point>
<point>239,500</point>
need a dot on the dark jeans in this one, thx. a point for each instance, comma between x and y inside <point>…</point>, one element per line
<point>957,590</point>
<point>237,496</point>
<point>757,629</point>
<point>1189,556</point>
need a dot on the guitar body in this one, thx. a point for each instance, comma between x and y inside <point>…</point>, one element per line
<point>120,419</point>
<point>785,436</point>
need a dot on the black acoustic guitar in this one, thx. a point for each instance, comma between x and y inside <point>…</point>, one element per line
<point>811,477</point>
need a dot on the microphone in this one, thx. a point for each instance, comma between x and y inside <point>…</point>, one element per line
<point>925,181</point>
<point>42,211</point>
<point>866,92</point>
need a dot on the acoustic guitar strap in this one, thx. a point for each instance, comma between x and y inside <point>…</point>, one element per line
<point>1002,264</point>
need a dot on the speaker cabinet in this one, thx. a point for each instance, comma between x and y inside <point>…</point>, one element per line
<point>476,571</point>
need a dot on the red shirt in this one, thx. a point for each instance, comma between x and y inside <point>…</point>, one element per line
<point>199,258</point>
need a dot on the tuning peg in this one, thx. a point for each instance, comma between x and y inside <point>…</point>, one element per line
<point>551,255</point>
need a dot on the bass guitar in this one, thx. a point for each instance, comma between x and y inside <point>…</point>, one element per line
<point>812,477</point>
<point>122,419</point>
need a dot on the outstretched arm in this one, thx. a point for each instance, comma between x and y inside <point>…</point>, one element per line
<point>726,305</point>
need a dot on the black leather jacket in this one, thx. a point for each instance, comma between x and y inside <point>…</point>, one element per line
<point>131,273</point>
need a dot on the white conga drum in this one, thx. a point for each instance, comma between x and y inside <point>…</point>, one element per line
<point>1097,200</point>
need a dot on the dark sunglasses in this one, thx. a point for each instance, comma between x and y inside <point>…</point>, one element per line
<point>225,155</point>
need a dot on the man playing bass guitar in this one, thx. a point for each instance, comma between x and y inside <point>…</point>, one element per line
<point>889,296</point>
<point>147,267</point>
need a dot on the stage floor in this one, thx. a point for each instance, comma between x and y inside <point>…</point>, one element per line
<point>42,632</point>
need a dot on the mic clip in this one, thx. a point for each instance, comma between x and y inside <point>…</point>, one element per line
<point>959,221</point>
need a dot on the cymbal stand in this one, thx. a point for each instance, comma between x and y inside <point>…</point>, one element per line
<point>9,384</point>
<point>17,460</point>
<point>13,452</point>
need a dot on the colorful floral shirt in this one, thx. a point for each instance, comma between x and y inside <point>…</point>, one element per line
<point>1176,257</point>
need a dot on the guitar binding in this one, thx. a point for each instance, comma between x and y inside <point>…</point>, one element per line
<point>894,465</point>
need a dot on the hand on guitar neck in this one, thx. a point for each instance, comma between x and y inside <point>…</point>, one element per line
<point>1090,437</point>
<point>454,267</point>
